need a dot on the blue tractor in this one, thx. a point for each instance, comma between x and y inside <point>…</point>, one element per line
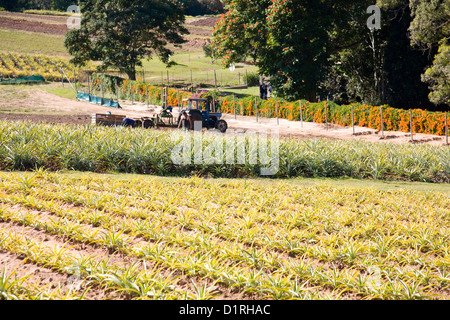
<point>197,109</point>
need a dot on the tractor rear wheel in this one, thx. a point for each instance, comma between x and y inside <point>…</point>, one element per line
<point>222,126</point>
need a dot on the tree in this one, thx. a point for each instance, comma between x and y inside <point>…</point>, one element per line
<point>430,31</point>
<point>121,33</point>
<point>292,41</point>
<point>241,31</point>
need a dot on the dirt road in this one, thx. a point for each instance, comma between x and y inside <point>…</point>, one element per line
<point>42,106</point>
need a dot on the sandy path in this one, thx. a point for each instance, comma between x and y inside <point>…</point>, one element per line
<point>79,112</point>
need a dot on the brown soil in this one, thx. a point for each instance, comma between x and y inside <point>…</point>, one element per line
<point>27,16</point>
<point>32,26</point>
<point>203,22</point>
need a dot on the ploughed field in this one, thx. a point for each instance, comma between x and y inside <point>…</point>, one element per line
<point>97,236</point>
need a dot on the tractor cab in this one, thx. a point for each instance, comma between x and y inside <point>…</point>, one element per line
<point>203,106</point>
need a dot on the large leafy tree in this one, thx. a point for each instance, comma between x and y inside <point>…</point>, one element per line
<point>121,33</point>
<point>292,41</point>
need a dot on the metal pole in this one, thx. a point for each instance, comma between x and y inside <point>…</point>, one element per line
<point>382,127</point>
<point>353,121</point>
<point>301,114</point>
<point>256,108</point>
<point>75,79</point>
<point>411,125</point>
<point>215,79</point>
<point>132,93</point>
<point>117,89</point>
<point>234,107</point>
<point>326,116</point>
<point>446,129</point>
<point>276,111</point>
<point>89,83</point>
<point>162,96</point>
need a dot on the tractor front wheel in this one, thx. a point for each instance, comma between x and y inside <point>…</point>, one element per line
<point>222,126</point>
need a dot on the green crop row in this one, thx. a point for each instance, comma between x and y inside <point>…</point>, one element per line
<point>27,146</point>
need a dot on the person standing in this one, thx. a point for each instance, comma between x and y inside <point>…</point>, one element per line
<point>264,91</point>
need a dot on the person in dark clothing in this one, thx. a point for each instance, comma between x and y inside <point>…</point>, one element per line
<point>127,122</point>
<point>263,91</point>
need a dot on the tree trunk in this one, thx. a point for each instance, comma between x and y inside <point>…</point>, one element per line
<point>131,75</point>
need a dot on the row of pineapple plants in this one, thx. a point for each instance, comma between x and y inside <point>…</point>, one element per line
<point>267,241</point>
<point>17,65</point>
<point>26,146</point>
